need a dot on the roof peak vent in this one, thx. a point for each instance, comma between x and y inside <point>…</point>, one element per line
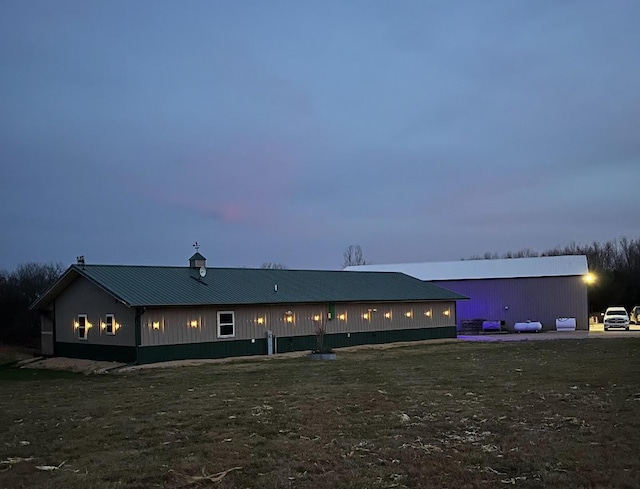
<point>197,260</point>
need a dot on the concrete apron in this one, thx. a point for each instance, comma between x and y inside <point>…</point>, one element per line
<point>552,335</point>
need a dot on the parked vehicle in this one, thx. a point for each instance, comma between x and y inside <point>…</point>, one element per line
<point>634,315</point>
<point>616,317</point>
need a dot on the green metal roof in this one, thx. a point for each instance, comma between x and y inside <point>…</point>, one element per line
<point>197,256</point>
<point>183,286</point>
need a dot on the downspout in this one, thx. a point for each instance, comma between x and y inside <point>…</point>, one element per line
<point>138,332</point>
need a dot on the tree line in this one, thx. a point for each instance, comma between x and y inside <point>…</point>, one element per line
<point>18,290</point>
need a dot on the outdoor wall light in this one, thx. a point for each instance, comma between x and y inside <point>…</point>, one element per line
<point>428,313</point>
<point>155,325</point>
<point>387,315</point>
<point>365,316</point>
<point>317,317</point>
<point>589,278</point>
<point>260,320</point>
<point>194,323</point>
<point>408,314</point>
<point>342,317</point>
<point>288,317</point>
<point>447,312</point>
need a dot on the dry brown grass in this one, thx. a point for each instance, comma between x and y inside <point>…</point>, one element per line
<point>534,414</point>
<point>11,354</point>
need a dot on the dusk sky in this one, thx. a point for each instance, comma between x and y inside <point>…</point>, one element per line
<point>284,131</point>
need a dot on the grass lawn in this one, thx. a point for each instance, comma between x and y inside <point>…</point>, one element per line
<point>560,414</point>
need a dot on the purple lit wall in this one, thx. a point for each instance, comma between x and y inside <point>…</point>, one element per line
<point>520,299</point>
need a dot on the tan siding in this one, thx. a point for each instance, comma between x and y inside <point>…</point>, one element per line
<point>82,297</point>
<point>173,324</point>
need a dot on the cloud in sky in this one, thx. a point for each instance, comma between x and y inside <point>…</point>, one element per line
<point>285,131</point>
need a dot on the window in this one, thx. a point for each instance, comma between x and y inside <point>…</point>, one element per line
<point>226,327</point>
<point>82,326</point>
<point>109,324</point>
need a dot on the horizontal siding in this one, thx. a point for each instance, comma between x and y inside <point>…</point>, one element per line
<point>171,326</point>
<point>521,299</point>
<point>83,297</point>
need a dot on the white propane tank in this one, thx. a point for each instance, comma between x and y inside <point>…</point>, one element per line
<point>528,326</point>
<point>566,324</point>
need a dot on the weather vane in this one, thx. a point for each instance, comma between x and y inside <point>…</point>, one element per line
<point>196,246</point>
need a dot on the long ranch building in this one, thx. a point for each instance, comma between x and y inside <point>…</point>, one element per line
<point>147,314</point>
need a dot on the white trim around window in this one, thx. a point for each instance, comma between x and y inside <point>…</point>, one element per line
<point>82,326</point>
<point>110,324</point>
<point>226,324</point>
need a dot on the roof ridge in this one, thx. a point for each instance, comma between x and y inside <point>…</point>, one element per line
<point>186,267</point>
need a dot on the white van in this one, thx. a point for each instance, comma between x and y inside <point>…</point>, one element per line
<point>616,317</point>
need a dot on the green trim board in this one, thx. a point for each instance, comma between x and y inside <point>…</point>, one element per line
<point>212,349</point>
<point>88,351</point>
<point>341,340</point>
<point>236,348</point>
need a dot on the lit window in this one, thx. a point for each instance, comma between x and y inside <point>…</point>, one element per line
<point>82,326</point>
<point>226,324</point>
<point>110,324</point>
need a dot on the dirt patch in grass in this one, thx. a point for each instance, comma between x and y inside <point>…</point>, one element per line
<point>12,354</point>
<point>450,414</point>
<point>71,365</point>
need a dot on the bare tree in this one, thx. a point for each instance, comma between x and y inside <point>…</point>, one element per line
<point>269,265</point>
<point>353,256</point>
<point>18,290</point>
<point>320,329</point>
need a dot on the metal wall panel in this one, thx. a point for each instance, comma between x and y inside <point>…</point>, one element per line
<point>82,297</point>
<point>170,326</point>
<point>220,349</point>
<point>46,335</point>
<point>520,299</point>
